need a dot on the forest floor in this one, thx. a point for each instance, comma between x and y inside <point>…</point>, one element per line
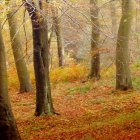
<point>88,111</point>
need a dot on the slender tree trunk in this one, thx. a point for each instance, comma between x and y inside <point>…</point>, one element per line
<point>44,103</point>
<point>113,17</point>
<point>8,128</point>
<point>58,31</point>
<point>123,76</point>
<point>138,23</point>
<point>23,74</point>
<point>95,56</point>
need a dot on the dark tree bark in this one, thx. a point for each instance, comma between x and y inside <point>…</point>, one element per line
<point>123,76</point>
<point>8,128</point>
<point>44,103</point>
<point>95,55</point>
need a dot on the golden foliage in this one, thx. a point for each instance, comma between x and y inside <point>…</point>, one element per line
<point>68,74</point>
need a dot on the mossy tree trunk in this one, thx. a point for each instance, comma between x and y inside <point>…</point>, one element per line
<point>95,56</point>
<point>123,76</point>
<point>44,103</point>
<point>23,74</point>
<point>8,128</point>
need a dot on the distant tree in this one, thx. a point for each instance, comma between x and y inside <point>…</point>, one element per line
<point>8,128</point>
<point>23,74</point>
<point>58,30</point>
<point>44,103</point>
<point>95,56</point>
<point>123,76</point>
<point>113,13</point>
<point>138,23</point>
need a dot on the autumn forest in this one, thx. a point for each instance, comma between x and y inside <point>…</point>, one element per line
<point>69,69</point>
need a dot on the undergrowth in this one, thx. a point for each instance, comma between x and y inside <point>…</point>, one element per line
<point>78,73</point>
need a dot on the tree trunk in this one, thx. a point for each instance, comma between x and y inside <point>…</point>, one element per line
<point>138,23</point>
<point>123,76</point>
<point>23,74</point>
<point>44,103</point>
<point>95,56</point>
<point>58,31</point>
<point>113,16</point>
<point>8,128</point>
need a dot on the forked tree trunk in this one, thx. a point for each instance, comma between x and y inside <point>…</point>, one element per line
<point>58,31</point>
<point>123,76</point>
<point>23,74</point>
<point>44,103</point>
<point>8,128</point>
<point>95,56</point>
